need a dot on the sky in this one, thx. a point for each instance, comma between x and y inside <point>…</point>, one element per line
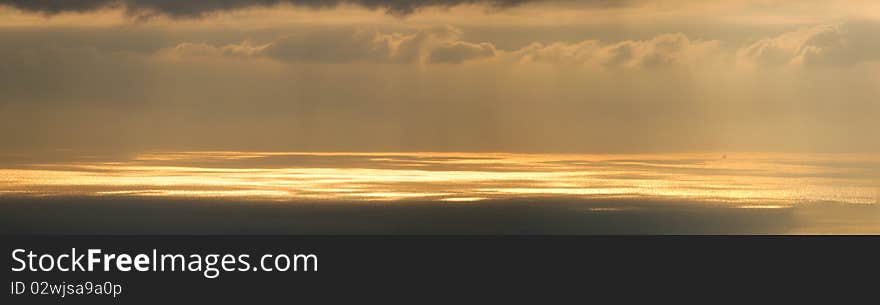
<point>599,76</point>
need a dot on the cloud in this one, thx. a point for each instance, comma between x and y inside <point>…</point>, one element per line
<point>176,8</point>
<point>440,44</point>
<point>459,51</point>
<point>291,89</point>
<point>197,50</point>
<point>662,50</point>
<point>820,45</point>
<point>333,46</point>
<point>444,45</point>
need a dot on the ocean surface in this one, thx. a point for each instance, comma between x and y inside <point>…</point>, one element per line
<point>442,193</point>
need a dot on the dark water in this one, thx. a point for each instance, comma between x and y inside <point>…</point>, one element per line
<point>88,215</point>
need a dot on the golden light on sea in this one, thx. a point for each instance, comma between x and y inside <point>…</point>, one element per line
<point>743,180</point>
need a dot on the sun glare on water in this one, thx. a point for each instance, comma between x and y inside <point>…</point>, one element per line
<point>755,181</point>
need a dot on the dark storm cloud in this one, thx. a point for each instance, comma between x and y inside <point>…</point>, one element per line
<point>197,8</point>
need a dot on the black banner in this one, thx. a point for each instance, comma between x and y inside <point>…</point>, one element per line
<point>419,268</point>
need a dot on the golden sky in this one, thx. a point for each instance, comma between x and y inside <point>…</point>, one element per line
<point>388,75</point>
